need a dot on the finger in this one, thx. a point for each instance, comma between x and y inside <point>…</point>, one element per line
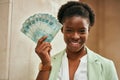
<point>42,39</point>
<point>48,49</point>
<point>44,51</point>
<point>45,45</point>
<point>41,48</point>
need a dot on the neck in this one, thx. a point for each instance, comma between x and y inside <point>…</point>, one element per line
<point>76,55</point>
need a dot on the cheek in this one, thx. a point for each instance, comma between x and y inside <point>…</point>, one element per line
<point>66,37</point>
<point>84,38</point>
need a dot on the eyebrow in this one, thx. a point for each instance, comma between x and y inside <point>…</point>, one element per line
<point>72,27</point>
<point>68,27</point>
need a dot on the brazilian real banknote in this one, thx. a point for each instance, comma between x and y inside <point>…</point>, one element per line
<point>41,24</point>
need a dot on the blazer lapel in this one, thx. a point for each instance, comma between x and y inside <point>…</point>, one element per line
<point>56,62</point>
<point>94,66</point>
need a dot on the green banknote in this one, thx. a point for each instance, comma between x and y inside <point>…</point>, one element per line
<point>39,25</point>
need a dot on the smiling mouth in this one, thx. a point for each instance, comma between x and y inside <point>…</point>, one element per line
<point>75,44</point>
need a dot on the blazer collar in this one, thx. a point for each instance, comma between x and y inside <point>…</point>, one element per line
<point>91,56</point>
<point>95,67</point>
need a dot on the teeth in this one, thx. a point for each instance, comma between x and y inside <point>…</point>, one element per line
<point>74,42</point>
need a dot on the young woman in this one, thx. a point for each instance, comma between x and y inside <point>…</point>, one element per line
<point>76,62</point>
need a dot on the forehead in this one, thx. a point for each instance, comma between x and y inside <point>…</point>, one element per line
<point>76,21</point>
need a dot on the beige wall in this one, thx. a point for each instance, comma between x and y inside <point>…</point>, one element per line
<point>4,25</point>
<point>23,60</point>
<point>17,56</point>
<point>112,31</point>
<point>18,60</point>
<point>104,37</point>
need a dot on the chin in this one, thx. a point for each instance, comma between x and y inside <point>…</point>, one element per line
<point>76,49</point>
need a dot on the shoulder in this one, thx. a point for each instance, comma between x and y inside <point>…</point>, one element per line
<point>59,54</point>
<point>105,61</point>
<point>107,65</point>
<point>101,58</point>
<point>97,57</point>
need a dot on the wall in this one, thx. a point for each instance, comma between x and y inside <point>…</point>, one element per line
<point>17,56</point>
<point>105,38</point>
<point>23,60</point>
<point>4,25</point>
<point>112,31</point>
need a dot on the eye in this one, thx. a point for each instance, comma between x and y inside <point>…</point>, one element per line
<point>82,31</point>
<point>68,30</point>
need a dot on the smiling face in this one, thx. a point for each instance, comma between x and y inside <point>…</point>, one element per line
<point>75,30</point>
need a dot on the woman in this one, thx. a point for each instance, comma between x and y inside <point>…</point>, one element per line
<point>76,62</point>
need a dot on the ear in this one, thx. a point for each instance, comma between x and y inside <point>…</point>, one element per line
<point>89,28</point>
<point>62,29</point>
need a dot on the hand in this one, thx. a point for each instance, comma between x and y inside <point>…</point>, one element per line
<point>43,50</point>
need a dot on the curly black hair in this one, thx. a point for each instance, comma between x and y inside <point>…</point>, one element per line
<point>75,8</point>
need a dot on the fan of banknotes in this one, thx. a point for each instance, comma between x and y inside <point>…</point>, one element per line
<point>39,25</point>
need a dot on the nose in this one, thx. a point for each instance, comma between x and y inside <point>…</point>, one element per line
<point>76,35</point>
